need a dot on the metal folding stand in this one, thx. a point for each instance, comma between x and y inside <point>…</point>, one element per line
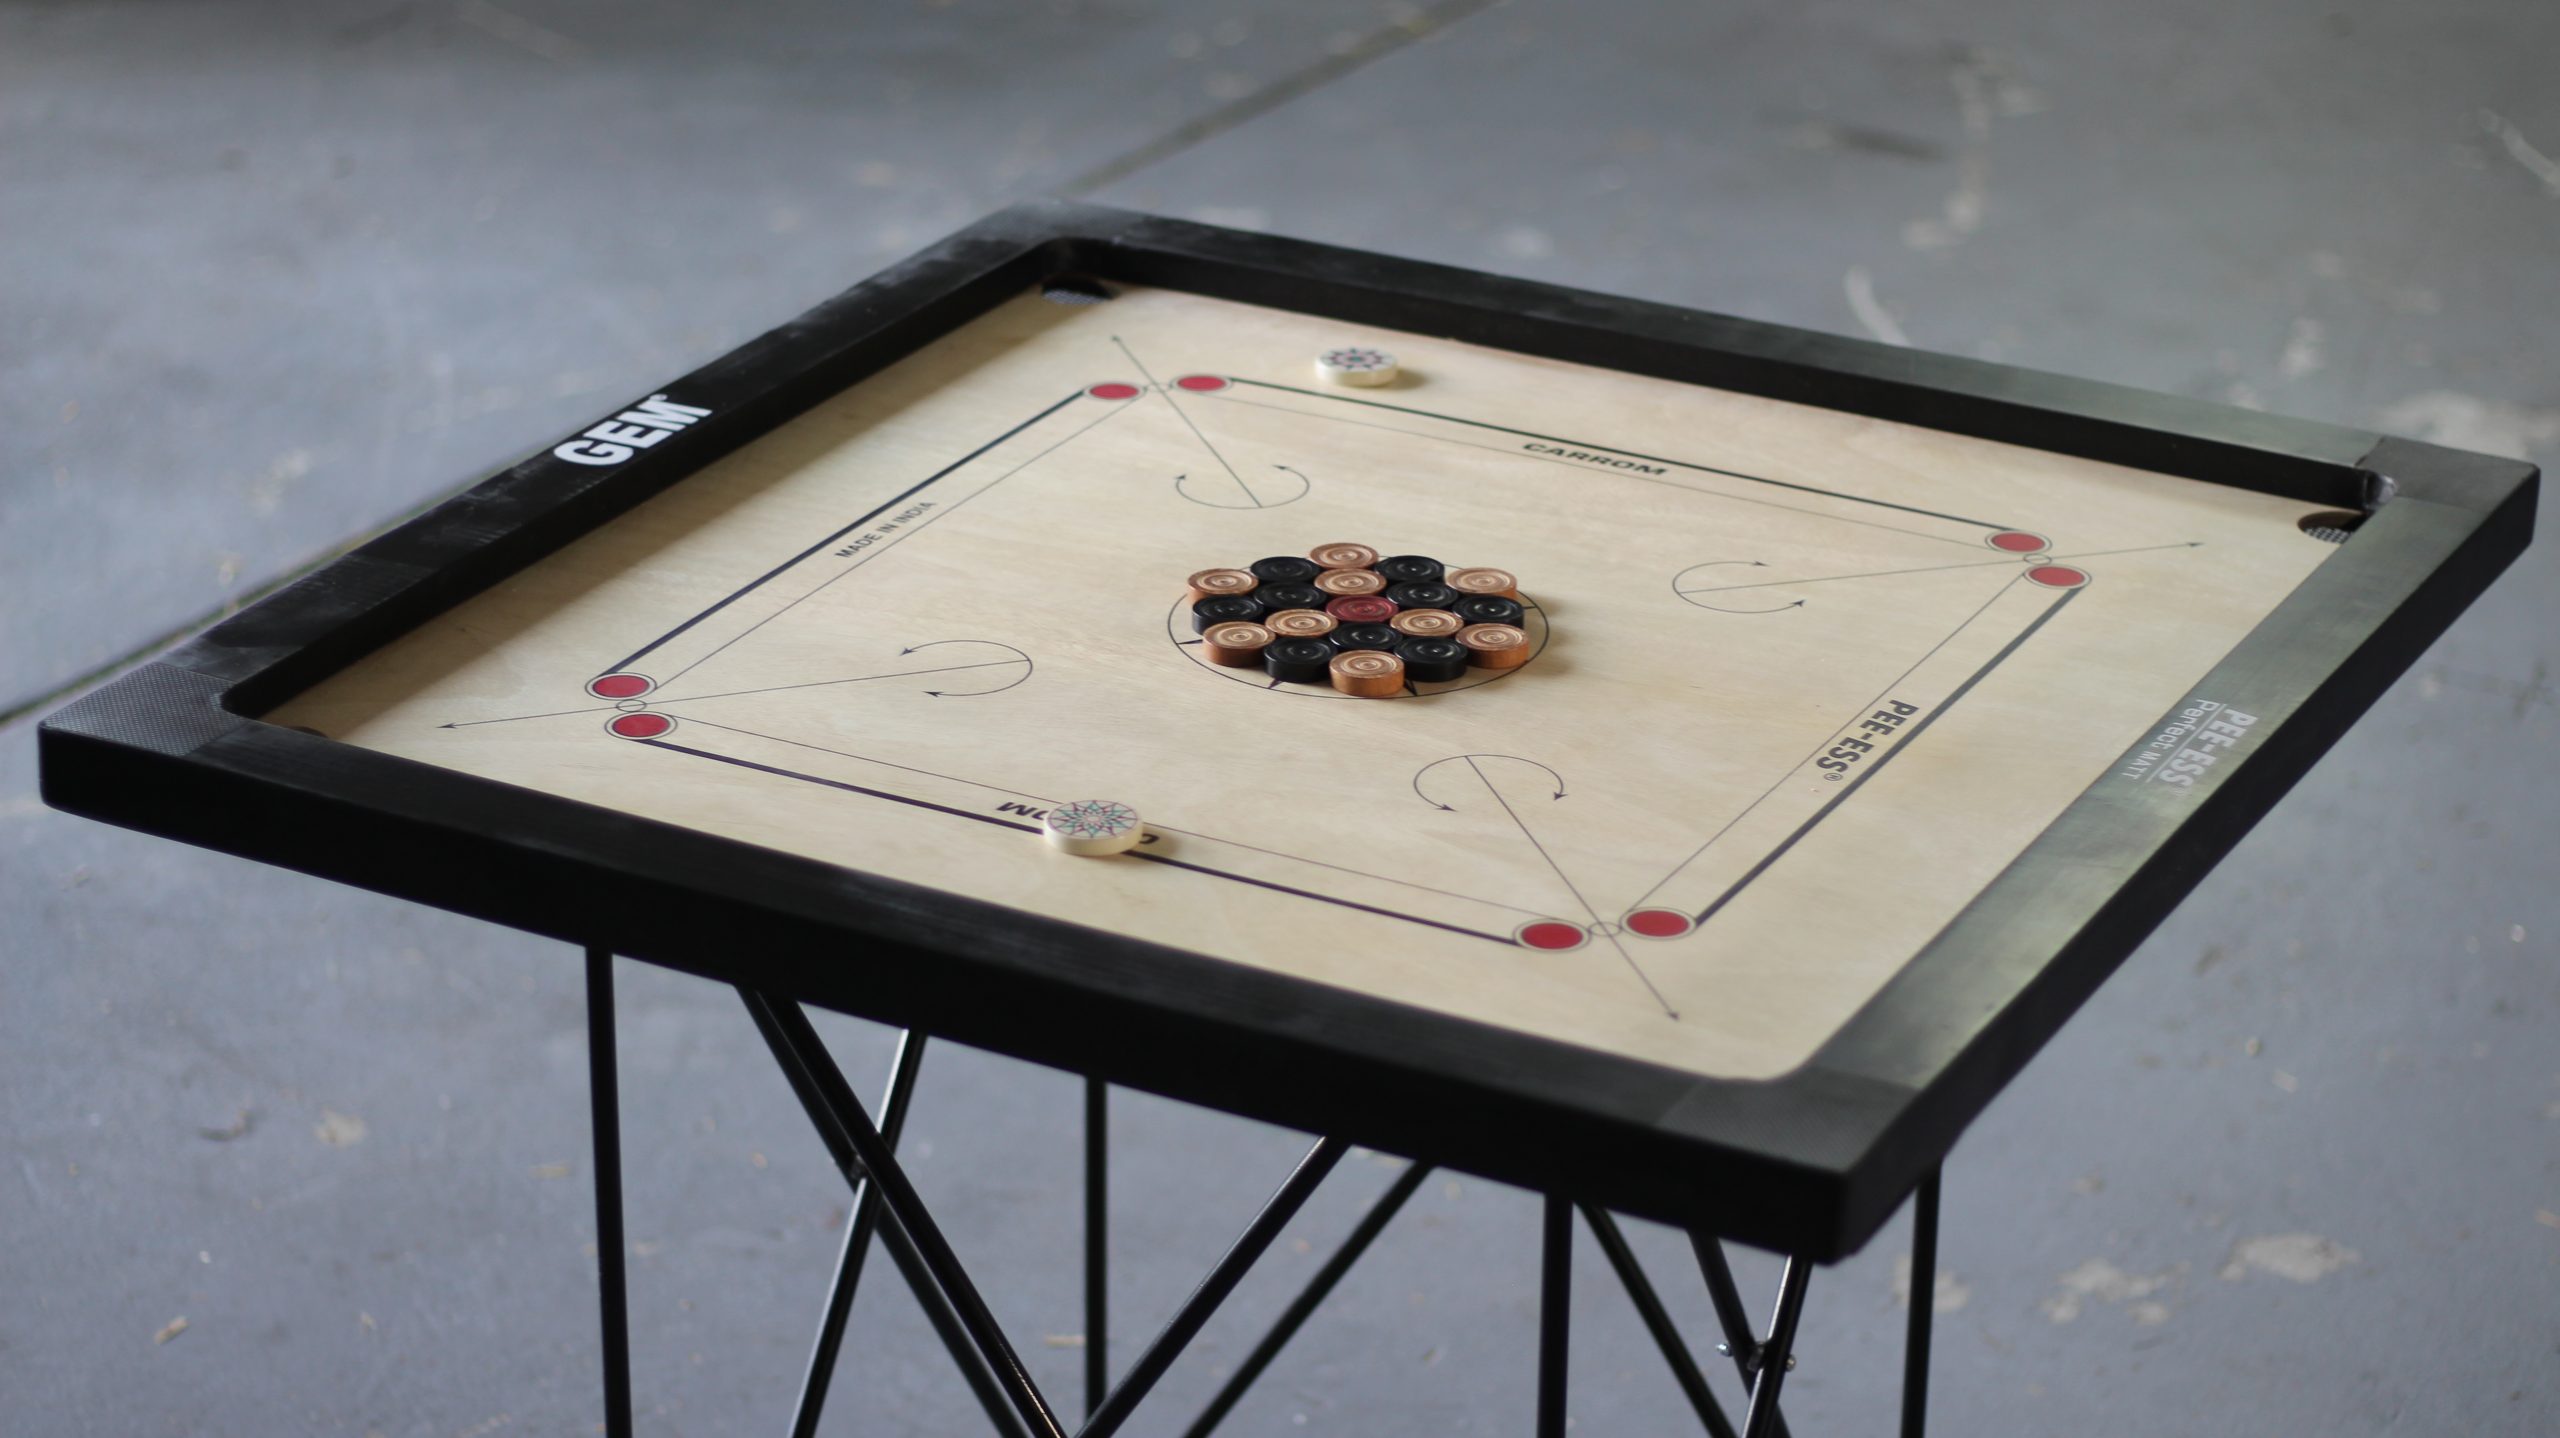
<point>887,1207</point>
<point>865,1219</point>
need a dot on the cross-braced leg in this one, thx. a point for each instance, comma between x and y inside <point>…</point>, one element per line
<point>1777,1355</point>
<point>1731,1316</point>
<point>959,1314</point>
<point>1213,1290</point>
<point>839,1112</point>
<point>1304,1305</point>
<point>857,1242</point>
<point>947,1327</point>
<point>1657,1321</point>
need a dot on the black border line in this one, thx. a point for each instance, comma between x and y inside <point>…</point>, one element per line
<point>759,581</point>
<point>1830,738</point>
<point>1907,740</point>
<point>1629,453</point>
<point>1697,922</point>
<point>833,784</point>
<point>1164,859</point>
<point>1042,799</point>
<point>2039,559</point>
<point>919,487</point>
<point>857,563</point>
<point>1675,483</point>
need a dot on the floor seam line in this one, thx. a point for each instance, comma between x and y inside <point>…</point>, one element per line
<point>1375,46</point>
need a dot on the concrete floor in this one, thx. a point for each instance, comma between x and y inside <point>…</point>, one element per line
<point>274,273</point>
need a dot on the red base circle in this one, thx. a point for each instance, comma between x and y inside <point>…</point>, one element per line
<point>620,686</point>
<point>2018,541</point>
<point>1112,389</point>
<point>1552,935</point>
<point>643,725</point>
<point>2058,576</point>
<point>1202,383</point>
<point>1659,923</point>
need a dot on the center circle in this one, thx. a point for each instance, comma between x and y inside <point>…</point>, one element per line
<point>1183,641</point>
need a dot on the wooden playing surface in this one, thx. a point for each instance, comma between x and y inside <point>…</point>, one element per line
<point>890,633</point>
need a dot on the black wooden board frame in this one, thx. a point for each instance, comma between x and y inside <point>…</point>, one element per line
<point>1811,1163</point>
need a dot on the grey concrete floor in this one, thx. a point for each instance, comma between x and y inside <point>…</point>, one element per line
<point>274,273</point>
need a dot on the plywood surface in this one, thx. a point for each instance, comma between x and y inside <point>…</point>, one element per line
<point>891,633</point>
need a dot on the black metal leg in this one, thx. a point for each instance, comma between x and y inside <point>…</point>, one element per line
<point>1304,1305</point>
<point>867,1156</point>
<point>1776,1356</point>
<point>859,1226</point>
<point>1657,1321</point>
<point>604,1117</point>
<point>946,1326</point>
<point>846,1126</point>
<point>821,1368</point>
<point>1555,1314</point>
<point>1923,1303</point>
<point>1097,1244</point>
<point>901,1249</point>
<point>1730,1315</point>
<point>1213,1290</point>
<point>886,1202</point>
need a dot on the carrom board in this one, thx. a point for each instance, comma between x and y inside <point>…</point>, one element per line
<point>891,632</point>
<point>1846,724</point>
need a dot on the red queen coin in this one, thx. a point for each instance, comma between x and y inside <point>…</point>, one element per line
<point>1361,608</point>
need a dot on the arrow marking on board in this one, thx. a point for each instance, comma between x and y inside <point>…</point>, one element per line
<point>1470,759</point>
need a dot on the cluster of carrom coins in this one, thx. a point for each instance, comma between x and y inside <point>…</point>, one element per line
<point>1368,626</point>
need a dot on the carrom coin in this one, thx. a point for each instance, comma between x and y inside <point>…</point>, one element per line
<point>1351,583</point>
<point>1210,583</point>
<point>1359,365</point>
<point>1410,569</point>
<point>1429,659</point>
<point>1294,595</point>
<point>1224,609</point>
<point>1361,608</point>
<point>1239,645</point>
<point>1423,596</point>
<point>1092,827</point>
<point>1343,556</point>
<point>1285,569</point>
<point>1489,609</point>
<point>1298,661</point>
<point>1301,624</point>
<point>1427,623</point>
<point>1495,646</point>
<point>1368,674</point>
